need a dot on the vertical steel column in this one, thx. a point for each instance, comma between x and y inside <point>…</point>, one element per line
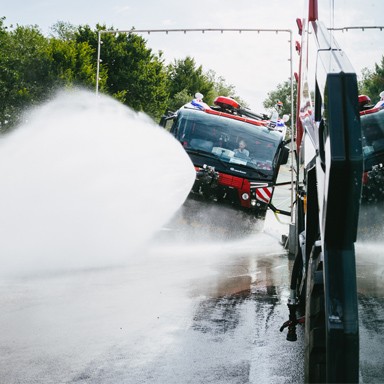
<point>98,62</point>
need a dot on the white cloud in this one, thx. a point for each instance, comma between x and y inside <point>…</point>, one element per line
<point>122,9</point>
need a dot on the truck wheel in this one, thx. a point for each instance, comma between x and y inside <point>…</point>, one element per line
<point>315,342</point>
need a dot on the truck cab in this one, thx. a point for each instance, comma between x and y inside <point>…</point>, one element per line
<point>236,153</point>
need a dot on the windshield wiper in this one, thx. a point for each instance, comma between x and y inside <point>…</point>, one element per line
<point>208,154</point>
<point>225,164</point>
<point>261,173</point>
<point>253,169</point>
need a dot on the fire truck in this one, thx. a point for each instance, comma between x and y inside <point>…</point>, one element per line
<point>329,165</point>
<point>236,153</point>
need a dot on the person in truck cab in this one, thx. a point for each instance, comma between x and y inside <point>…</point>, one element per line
<point>364,102</point>
<point>241,151</point>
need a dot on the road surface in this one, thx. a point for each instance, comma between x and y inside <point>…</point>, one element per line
<point>201,303</point>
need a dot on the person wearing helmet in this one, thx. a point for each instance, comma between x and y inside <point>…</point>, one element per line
<point>276,113</point>
<point>380,103</point>
<point>364,103</point>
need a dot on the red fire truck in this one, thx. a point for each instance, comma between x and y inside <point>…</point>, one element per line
<point>237,153</point>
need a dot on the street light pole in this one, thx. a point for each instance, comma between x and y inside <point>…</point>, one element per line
<point>98,62</point>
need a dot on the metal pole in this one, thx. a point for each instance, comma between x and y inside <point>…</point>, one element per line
<point>203,30</point>
<point>293,131</point>
<point>362,27</point>
<point>98,62</point>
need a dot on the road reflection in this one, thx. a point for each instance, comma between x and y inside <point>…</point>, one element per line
<point>371,228</point>
<point>202,304</point>
<point>236,284</point>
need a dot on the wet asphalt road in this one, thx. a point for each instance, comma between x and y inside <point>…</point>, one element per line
<point>370,283</point>
<point>203,303</point>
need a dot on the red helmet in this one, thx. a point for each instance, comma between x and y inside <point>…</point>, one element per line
<point>364,99</point>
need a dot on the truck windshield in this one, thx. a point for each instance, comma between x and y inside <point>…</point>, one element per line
<point>233,141</point>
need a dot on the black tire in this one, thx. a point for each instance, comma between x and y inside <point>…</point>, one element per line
<point>315,333</point>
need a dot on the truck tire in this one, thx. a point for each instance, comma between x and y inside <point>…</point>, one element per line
<point>315,334</point>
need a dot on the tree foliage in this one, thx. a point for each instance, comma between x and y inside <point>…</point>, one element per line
<point>33,66</point>
<point>221,88</point>
<point>23,71</point>
<point>179,99</point>
<point>130,71</point>
<point>372,82</point>
<point>71,63</point>
<point>281,93</point>
<point>185,78</point>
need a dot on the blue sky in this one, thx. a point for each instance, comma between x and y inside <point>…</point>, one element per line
<point>253,63</point>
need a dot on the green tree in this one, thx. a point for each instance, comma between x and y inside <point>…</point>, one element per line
<point>70,63</point>
<point>179,99</point>
<point>130,71</point>
<point>63,31</point>
<point>24,78</point>
<point>221,88</point>
<point>185,77</point>
<point>33,66</point>
<point>372,82</point>
<point>282,93</point>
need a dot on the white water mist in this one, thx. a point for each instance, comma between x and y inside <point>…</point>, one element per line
<point>84,183</point>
